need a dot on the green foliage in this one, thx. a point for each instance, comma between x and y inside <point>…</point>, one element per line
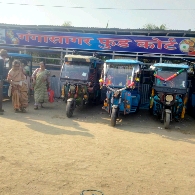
<point>45,55</point>
<point>154,27</point>
<point>67,23</point>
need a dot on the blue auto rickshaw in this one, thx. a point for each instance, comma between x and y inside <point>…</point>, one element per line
<point>120,86</point>
<point>169,92</point>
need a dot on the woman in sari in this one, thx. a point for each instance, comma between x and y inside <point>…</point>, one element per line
<point>41,83</point>
<point>26,71</point>
<point>18,87</point>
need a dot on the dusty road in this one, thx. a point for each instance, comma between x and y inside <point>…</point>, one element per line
<point>44,153</point>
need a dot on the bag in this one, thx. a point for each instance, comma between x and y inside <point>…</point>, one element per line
<point>10,91</point>
<point>51,95</point>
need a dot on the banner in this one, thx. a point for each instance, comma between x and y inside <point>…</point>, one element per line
<point>101,42</point>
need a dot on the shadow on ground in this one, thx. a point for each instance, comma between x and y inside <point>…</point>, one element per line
<point>48,120</point>
<point>52,120</point>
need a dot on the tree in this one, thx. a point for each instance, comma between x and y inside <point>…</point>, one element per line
<point>67,23</point>
<point>42,57</point>
<point>154,27</point>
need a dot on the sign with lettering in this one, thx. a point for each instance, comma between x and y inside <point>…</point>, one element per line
<point>100,42</point>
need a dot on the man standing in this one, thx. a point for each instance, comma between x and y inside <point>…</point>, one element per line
<point>3,56</point>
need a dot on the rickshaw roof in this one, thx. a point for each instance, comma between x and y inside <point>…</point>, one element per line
<point>81,57</point>
<point>18,55</point>
<point>123,61</point>
<point>171,65</point>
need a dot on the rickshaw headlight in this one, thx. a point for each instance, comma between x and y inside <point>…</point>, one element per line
<point>169,98</point>
<point>128,106</point>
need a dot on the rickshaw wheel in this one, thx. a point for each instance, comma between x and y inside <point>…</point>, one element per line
<point>81,103</point>
<point>65,100</point>
<point>167,120</point>
<point>138,107</point>
<point>113,117</point>
<point>69,109</point>
<point>150,110</point>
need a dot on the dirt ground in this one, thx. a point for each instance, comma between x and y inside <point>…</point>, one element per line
<point>45,153</point>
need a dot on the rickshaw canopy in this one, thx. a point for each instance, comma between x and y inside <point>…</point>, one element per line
<point>17,55</point>
<point>123,61</point>
<point>80,57</point>
<point>171,65</point>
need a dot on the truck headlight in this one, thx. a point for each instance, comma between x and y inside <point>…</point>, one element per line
<point>169,98</point>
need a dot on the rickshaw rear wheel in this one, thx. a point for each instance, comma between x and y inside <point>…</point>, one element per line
<point>167,120</point>
<point>113,117</point>
<point>150,110</point>
<point>138,107</point>
<point>69,109</point>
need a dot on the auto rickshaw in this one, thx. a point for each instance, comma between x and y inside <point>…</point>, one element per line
<point>80,76</point>
<point>120,83</point>
<point>169,92</point>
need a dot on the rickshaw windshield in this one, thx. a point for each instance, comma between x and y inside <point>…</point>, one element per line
<point>119,74</point>
<point>174,80</point>
<point>75,70</point>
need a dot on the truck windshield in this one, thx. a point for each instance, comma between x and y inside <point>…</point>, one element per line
<point>75,70</point>
<point>178,81</point>
<point>119,74</point>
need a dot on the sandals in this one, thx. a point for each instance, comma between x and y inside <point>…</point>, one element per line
<point>17,110</point>
<point>36,107</point>
<point>23,110</point>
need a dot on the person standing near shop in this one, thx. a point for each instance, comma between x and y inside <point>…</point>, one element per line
<point>26,71</point>
<point>41,84</point>
<point>18,87</point>
<point>3,56</point>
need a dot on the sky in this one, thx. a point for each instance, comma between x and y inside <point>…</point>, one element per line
<point>90,17</point>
